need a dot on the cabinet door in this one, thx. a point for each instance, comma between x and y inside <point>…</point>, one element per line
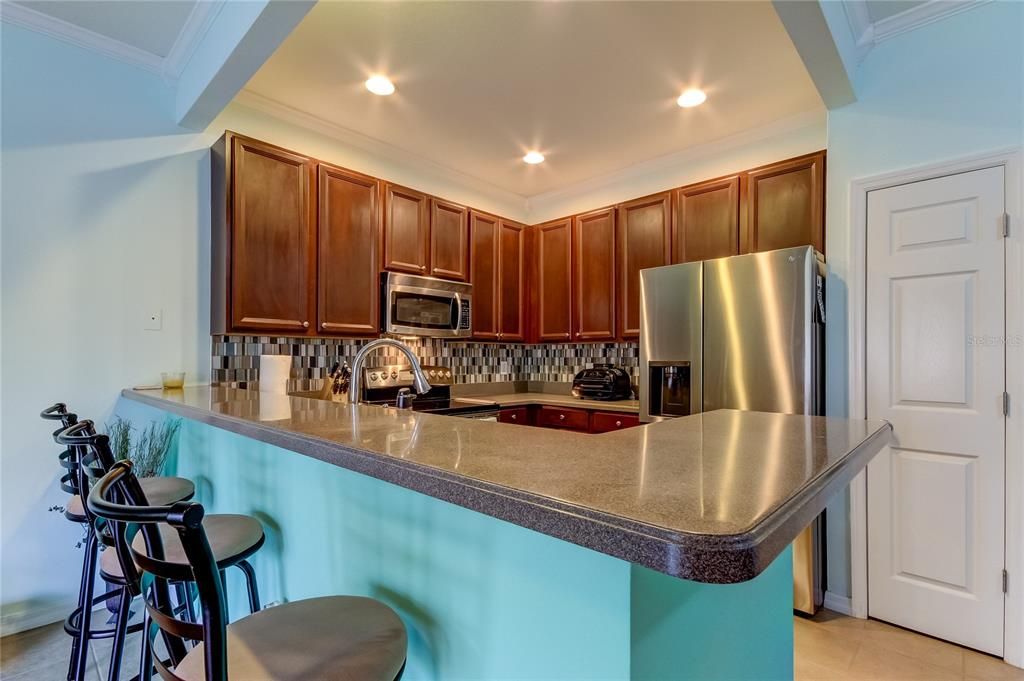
<point>554,281</point>
<point>511,282</point>
<point>707,220</point>
<point>348,296</point>
<point>785,205</point>
<point>272,238</point>
<point>406,230</point>
<point>449,240</point>
<point>483,274</point>
<point>593,275</point>
<point>645,239</point>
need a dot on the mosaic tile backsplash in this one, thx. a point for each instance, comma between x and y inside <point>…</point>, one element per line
<point>236,358</point>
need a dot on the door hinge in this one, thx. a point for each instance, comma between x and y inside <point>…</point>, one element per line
<point>1006,582</point>
<point>1005,219</point>
<point>1006,403</point>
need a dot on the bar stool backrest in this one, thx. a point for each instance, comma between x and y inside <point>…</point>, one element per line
<point>112,498</point>
<point>69,481</point>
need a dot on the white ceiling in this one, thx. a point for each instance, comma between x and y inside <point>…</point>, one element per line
<point>592,85</point>
<point>151,26</point>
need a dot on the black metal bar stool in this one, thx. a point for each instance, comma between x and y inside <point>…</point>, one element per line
<point>78,624</point>
<point>232,538</point>
<point>334,637</point>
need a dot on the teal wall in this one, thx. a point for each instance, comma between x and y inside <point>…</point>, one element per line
<point>482,598</point>
<point>951,88</point>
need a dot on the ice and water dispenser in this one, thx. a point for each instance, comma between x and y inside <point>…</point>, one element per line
<point>669,384</point>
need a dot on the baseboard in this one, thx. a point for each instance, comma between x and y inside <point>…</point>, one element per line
<point>836,603</point>
<point>22,617</point>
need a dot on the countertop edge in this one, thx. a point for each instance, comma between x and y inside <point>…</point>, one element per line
<point>718,559</point>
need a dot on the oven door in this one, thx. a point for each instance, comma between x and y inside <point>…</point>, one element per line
<point>416,310</point>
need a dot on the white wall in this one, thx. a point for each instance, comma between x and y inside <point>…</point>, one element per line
<point>948,89</point>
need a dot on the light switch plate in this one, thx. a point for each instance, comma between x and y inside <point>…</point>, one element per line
<point>154,321</point>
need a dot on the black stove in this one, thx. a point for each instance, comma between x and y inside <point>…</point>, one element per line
<point>384,383</point>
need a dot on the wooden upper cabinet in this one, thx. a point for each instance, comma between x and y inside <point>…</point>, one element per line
<point>511,281</point>
<point>483,274</point>
<point>707,223</point>
<point>348,295</point>
<point>449,240</point>
<point>406,230</point>
<point>272,232</point>
<point>785,205</point>
<point>593,242</point>
<point>553,295</point>
<point>644,240</point>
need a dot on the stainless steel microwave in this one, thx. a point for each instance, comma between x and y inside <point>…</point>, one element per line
<point>425,306</point>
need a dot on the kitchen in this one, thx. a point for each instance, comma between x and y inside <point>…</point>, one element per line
<point>608,329</point>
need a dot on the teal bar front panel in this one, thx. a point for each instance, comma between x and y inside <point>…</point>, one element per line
<point>686,631</point>
<point>481,598</point>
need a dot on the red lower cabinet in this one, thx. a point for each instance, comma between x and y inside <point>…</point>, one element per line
<point>567,418</point>
<point>605,421</point>
<point>517,415</point>
<point>564,417</point>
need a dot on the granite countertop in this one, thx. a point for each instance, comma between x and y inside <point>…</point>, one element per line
<point>555,400</point>
<point>713,497</point>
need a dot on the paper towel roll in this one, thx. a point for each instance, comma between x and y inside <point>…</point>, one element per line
<point>275,407</point>
<point>275,370</point>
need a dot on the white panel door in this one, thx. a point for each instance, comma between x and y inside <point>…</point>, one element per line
<point>936,371</point>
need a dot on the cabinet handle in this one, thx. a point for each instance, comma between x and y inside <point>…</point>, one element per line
<point>323,325</point>
<point>561,417</point>
<point>618,424</point>
<point>513,417</point>
<point>305,325</point>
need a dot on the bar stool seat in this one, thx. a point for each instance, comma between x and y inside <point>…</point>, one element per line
<point>233,538</point>
<point>334,637</point>
<point>159,492</point>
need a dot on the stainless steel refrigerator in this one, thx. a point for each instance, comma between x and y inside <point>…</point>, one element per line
<point>744,332</point>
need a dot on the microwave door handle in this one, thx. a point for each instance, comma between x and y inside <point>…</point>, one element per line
<point>458,311</point>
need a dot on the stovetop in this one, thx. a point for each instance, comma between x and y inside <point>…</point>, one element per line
<point>383,383</point>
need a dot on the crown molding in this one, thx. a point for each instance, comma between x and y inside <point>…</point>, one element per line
<point>26,17</point>
<point>373,146</point>
<point>867,34</point>
<point>195,28</point>
<point>860,24</point>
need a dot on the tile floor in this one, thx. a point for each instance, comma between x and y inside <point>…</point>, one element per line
<point>829,647</point>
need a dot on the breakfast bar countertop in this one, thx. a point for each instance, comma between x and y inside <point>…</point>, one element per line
<point>712,497</point>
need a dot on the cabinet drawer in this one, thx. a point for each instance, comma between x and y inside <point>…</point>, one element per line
<point>561,417</point>
<point>518,415</point>
<point>604,421</point>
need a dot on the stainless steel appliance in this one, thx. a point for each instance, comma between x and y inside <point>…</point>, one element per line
<point>745,332</point>
<point>425,306</point>
<point>602,382</point>
<point>390,386</point>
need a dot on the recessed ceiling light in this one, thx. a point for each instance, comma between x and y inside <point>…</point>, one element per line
<point>380,85</point>
<point>533,157</point>
<point>691,97</point>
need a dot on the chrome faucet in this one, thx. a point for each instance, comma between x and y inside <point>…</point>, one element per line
<point>419,379</point>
